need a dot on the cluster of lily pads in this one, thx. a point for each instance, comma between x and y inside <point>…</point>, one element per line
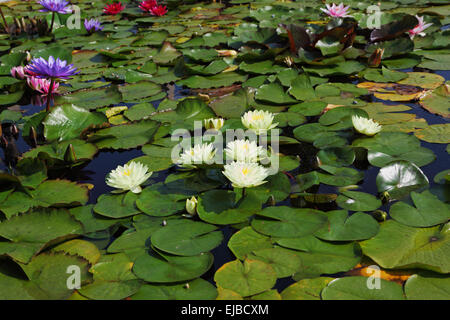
<point>351,195</point>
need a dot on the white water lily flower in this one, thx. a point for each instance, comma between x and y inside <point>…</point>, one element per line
<point>244,151</point>
<point>366,126</point>
<point>129,177</point>
<point>245,175</point>
<point>199,154</point>
<point>191,205</point>
<point>259,121</point>
<point>214,123</point>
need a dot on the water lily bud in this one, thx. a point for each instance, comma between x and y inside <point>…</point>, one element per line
<point>33,136</point>
<point>385,196</point>
<point>191,205</point>
<point>28,56</point>
<point>379,215</point>
<point>69,155</point>
<point>375,58</point>
<point>18,72</point>
<point>14,131</point>
<point>214,123</point>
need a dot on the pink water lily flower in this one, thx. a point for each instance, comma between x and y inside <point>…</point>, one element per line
<point>42,85</point>
<point>336,11</point>
<point>419,28</point>
<point>18,72</point>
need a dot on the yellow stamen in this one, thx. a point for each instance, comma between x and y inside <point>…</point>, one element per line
<point>257,117</point>
<point>245,171</point>
<point>127,172</point>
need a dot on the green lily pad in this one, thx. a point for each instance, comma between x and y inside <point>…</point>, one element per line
<point>113,279</point>
<point>341,227</point>
<point>356,288</point>
<point>187,239</point>
<point>68,121</point>
<point>424,287</point>
<point>284,262</point>
<point>220,207</point>
<point>117,205</point>
<point>400,246</point>
<point>288,222</point>
<point>321,257</point>
<point>163,268</point>
<point>358,201</point>
<point>246,278</point>
<point>340,176</point>
<point>247,240</point>
<point>399,178</point>
<point>30,232</point>
<point>306,289</point>
<point>274,93</point>
<point>125,136</point>
<point>154,203</point>
<point>428,210</point>
<point>197,289</point>
<point>436,133</point>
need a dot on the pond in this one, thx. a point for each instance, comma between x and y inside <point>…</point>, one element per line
<point>268,150</point>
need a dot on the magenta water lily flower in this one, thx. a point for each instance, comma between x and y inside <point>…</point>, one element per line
<point>51,69</point>
<point>42,85</point>
<point>336,11</point>
<point>59,6</point>
<point>418,30</point>
<point>18,72</point>
<point>92,25</point>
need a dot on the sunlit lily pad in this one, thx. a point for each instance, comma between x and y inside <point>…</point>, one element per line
<point>246,278</point>
<point>424,287</point>
<point>399,178</point>
<point>428,211</point>
<point>400,246</point>
<point>247,240</point>
<point>307,289</point>
<point>356,288</point>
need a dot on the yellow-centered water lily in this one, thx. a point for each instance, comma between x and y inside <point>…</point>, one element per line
<point>129,177</point>
<point>259,121</point>
<point>245,175</point>
<point>365,126</point>
<point>214,123</point>
<point>191,205</point>
<point>199,154</point>
<point>244,151</point>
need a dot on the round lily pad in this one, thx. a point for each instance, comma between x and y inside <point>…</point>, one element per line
<point>288,222</point>
<point>246,278</point>
<point>187,239</point>
<point>356,288</point>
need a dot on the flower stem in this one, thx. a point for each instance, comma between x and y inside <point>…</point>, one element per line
<point>243,192</point>
<point>53,21</point>
<point>50,94</point>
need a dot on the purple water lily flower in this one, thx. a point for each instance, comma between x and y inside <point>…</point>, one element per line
<point>59,6</point>
<point>92,25</point>
<point>52,69</point>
